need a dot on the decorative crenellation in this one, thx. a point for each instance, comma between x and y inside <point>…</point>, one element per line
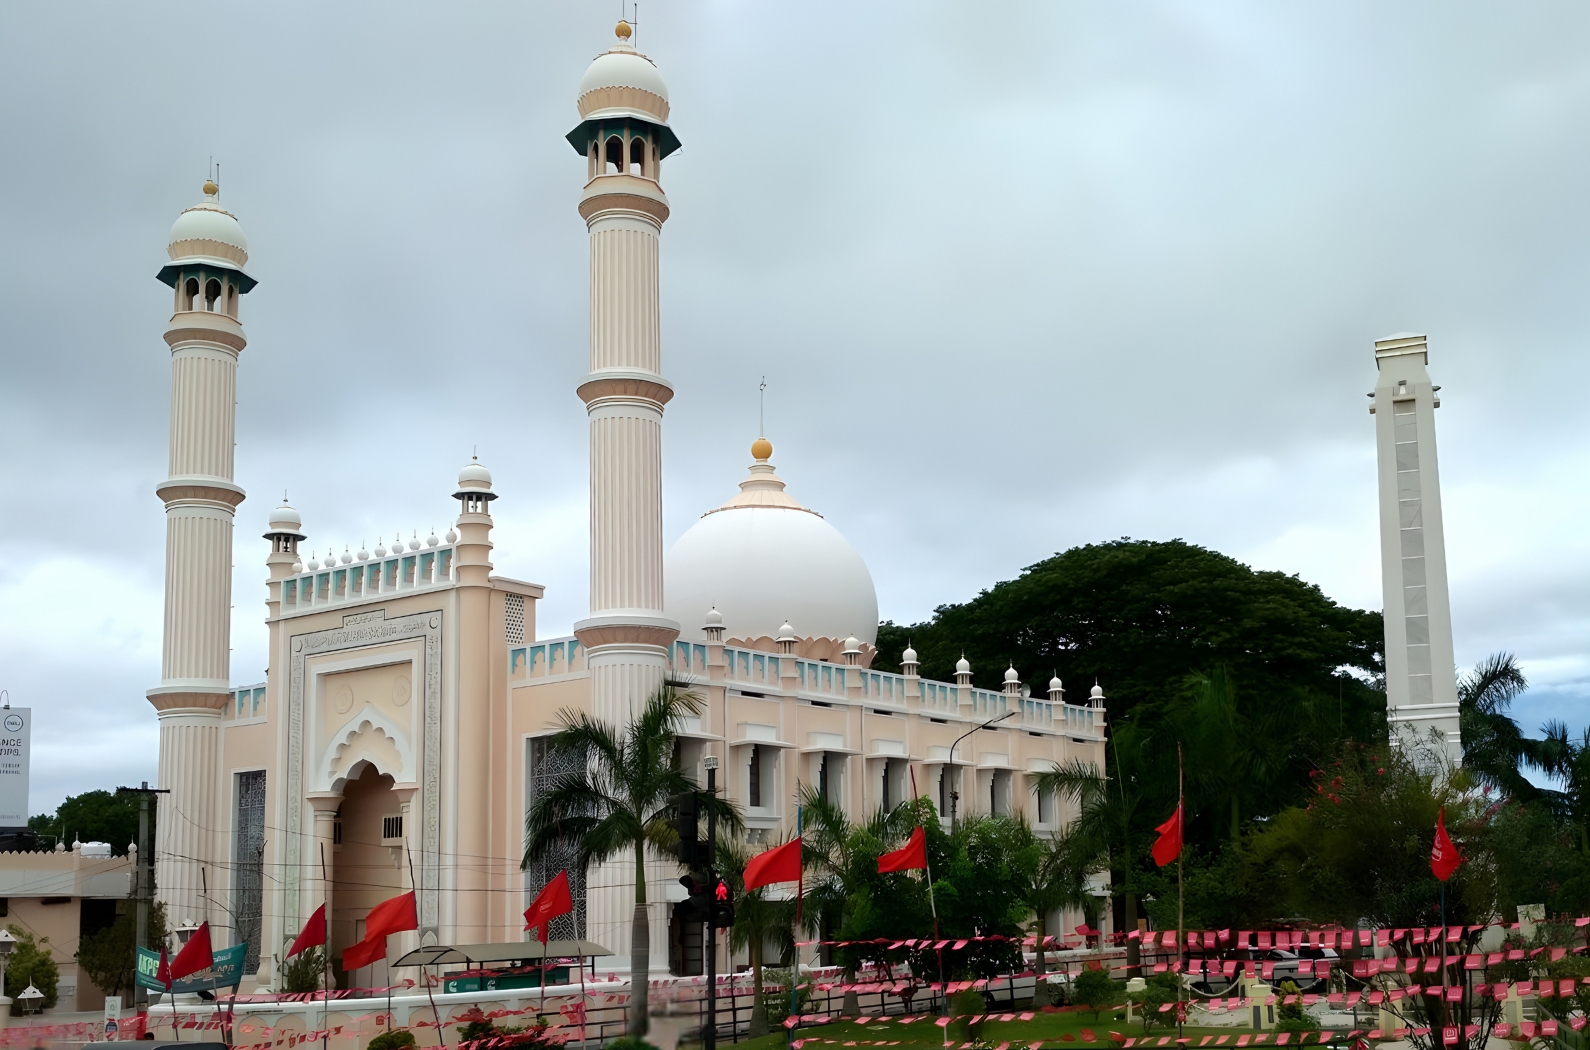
<point>356,577</point>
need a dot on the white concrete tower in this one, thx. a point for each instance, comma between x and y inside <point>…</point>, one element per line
<point>1421,683</point>
<point>208,252</point>
<point>624,136</point>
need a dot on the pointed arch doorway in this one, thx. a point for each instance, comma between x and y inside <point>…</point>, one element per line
<point>371,866</point>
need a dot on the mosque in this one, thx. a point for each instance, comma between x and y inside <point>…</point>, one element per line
<point>400,734</point>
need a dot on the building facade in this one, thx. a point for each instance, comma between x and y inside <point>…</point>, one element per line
<point>399,738</point>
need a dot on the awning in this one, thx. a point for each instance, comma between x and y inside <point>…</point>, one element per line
<point>512,952</point>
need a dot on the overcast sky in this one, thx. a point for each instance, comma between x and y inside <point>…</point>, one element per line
<point>1020,277</point>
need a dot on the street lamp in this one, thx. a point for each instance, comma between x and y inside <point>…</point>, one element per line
<point>955,796</point>
<point>7,943</point>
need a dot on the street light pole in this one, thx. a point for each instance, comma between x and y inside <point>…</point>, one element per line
<point>955,796</point>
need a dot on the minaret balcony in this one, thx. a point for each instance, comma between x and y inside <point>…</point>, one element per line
<point>635,192</point>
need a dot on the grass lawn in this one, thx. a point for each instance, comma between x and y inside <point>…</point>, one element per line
<point>1054,1031</point>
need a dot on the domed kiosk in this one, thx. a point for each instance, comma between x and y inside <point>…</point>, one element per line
<point>763,560</point>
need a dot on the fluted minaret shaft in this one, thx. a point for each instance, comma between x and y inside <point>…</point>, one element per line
<point>205,337</point>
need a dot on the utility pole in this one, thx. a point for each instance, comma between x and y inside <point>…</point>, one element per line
<point>143,884</point>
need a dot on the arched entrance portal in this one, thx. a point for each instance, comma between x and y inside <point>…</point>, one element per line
<point>370,867</point>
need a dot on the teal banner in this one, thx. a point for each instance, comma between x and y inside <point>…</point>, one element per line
<point>226,973</point>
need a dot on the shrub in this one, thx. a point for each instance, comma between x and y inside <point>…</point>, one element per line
<point>630,1042</point>
<point>1161,989</point>
<point>391,1041</point>
<point>304,971</point>
<point>1093,989</point>
<point>1291,1017</point>
<point>775,995</point>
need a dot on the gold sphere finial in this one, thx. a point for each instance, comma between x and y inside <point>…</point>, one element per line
<point>761,448</point>
<point>210,188</point>
<point>623,30</point>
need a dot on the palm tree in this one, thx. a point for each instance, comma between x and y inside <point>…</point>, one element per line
<point>1232,753</point>
<point>1102,835</point>
<point>1494,749</point>
<point>619,802</point>
<point>1047,881</point>
<point>757,919</point>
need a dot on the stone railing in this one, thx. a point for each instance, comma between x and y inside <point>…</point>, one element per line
<point>361,579</point>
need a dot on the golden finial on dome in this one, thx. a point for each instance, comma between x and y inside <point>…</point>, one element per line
<point>210,188</point>
<point>762,448</point>
<point>622,30</point>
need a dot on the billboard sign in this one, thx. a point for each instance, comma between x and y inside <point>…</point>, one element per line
<point>225,972</point>
<point>16,729</point>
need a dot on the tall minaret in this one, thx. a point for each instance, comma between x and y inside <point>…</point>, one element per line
<point>624,136</point>
<point>1421,683</point>
<point>208,252</point>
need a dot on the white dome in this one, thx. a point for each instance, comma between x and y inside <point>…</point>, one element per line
<point>1011,675</point>
<point>207,222</point>
<point>474,475</point>
<point>909,656</point>
<point>714,617</point>
<point>623,66</point>
<point>1096,693</point>
<point>1054,683</point>
<point>765,562</point>
<point>962,666</point>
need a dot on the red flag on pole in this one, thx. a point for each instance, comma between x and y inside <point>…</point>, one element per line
<point>1168,846</point>
<point>553,900</point>
<point>313,935</point>
<point>911,856</point>
<point>1444,856</point>
<point>195,956</point>
<point>390,916</point>
<point>163,975</point>
<point>779,864</point>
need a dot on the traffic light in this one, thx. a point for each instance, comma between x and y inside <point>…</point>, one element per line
<point>722,906</point>
<point>686,815</point>
<point>697,906</point>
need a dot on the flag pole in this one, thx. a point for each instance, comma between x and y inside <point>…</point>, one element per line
<point>800,889</point>
<point>1181,900</point>
<point>441,1032</point>
<point>325,956</point>
<point>932,904</point>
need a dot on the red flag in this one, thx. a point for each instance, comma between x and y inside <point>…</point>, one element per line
<point>1168,846</point>
<point>1444,856</point>
<point>364,953</point>
<point>390,916</point>
<point>911,856</point>
<point>163,975</point>
<point>779,864</point>
<point>312,935</point>
<point>195,956</point>
<point>553,900</point>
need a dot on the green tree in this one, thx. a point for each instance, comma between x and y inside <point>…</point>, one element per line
<point>93,816</point>
<point>31,963</point>
<point>757,920</point>
<point>1495,750</point>
<point>109,957</point>
<point>618,803</point>
<point>1110,823</point>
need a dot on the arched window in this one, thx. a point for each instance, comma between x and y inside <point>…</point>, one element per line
<point>212,292</point>
<point>637,156</point>
<point>190,292</point>
<point>615,156</point>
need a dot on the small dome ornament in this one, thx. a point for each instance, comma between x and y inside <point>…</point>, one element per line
<point>431,540</point>
<point>363,554</point>
<point>714,617</point>
<point>347,557</point>
<point>786,633</point>
<point>298,568</point>
<point>414,540</point>
<point>623,30</point>
<point>452,536</point>
<point>1011,677</point>
<point>1054,684</point>
<point>1096,693</point>
<point>762,449</point>
<point>963,666</point>
<point>210,188</point>
<point>380,547</point>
